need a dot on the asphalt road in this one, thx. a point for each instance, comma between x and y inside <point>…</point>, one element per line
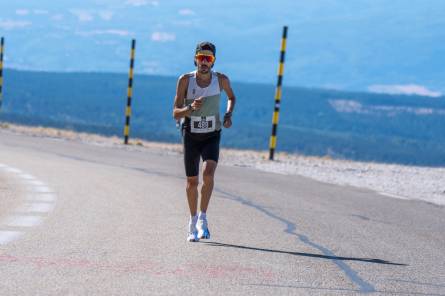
<point>83,219</point>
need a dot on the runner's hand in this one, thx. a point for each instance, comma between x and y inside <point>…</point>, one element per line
<point>227,120</point>
<point>197,103</point>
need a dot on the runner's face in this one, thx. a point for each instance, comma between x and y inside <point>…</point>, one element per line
<point>204,65</point>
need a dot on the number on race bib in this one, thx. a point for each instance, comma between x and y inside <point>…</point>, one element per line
<point>202,124</point>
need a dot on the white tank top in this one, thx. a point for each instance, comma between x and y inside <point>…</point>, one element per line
<point>207,119</point>
<point>195,91</point>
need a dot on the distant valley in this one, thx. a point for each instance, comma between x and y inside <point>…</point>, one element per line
<point>359,126</point>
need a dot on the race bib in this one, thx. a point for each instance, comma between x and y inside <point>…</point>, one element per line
<point>202,124</point>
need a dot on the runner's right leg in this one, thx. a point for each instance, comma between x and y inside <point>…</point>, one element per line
<point>192,194</point>
<point>192,198</point>
<point>191,163</point>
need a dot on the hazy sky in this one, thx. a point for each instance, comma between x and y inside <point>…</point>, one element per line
<point>373,45</point>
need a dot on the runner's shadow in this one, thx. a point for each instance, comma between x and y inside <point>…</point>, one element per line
<point>366,260</point>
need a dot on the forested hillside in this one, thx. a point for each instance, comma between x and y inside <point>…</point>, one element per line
<point>362,126</point>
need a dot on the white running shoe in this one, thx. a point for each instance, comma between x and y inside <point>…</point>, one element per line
<point>193,232</point>
<point>193,237</point>
<point>203,229</point>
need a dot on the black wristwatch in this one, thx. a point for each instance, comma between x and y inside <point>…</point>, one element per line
<point>228,114</point>
<point>189,107</point>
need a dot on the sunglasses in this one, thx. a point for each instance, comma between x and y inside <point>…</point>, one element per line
<point>202,57</point>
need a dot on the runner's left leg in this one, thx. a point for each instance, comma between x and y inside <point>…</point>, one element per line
<point>206,192</point>
<point>208,175</point>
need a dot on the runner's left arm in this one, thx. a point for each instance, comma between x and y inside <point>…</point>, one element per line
<point>225,85</point>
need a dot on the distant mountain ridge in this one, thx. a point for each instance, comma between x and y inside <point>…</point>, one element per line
<point>360,126</point>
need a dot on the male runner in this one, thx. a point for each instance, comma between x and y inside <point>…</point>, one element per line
<point>197,101</point>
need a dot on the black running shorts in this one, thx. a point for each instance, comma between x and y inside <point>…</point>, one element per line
<point>197,146</point>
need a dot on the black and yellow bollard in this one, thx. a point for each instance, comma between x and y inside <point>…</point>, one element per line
<point>129,94</point>
<point>273,137</point>
<point>2,43</point>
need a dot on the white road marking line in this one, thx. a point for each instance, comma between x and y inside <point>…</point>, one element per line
<point>42,197</point>
<point>392,195</point>
<point>36,207</point>
<point>36,183</point>
<point>27,177</point>
<point>7,236</point>
<point>13,170</point>
<point>42,189</point>
<point>24,221</point>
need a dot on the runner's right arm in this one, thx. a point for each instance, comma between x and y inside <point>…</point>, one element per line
<point>179,110</point>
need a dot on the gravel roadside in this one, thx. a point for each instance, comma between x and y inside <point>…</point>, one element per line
<point>394,180</point>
